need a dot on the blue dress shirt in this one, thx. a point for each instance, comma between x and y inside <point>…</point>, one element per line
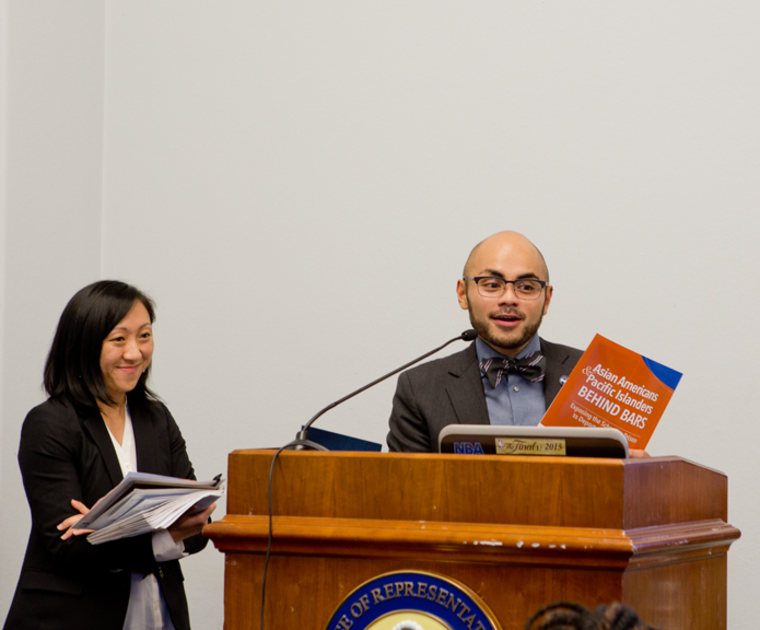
<point>516,400</point>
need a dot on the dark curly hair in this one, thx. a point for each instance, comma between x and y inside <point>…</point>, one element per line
<point>572,616</point>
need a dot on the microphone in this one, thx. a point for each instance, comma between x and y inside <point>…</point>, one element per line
<point>301,437</point>
<point>302,442</point>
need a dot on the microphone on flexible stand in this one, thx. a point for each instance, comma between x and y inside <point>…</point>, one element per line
<point>302,441</point>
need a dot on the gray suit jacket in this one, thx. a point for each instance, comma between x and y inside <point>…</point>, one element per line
<point>450,391</point>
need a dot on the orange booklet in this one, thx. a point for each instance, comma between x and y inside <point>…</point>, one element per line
<point>612,386</point>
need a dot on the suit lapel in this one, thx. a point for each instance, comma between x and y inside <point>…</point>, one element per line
<point>464,388</point>
<point>93,424</point>
<point>145,442</point>
<point>558,368</point>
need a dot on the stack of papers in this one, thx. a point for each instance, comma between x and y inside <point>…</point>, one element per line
<point>144,503</point>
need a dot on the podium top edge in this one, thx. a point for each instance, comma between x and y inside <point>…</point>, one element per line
<point>631,461</point>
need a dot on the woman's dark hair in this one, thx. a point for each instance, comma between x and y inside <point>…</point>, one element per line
<point>72,369</point>
<point>572,616</point>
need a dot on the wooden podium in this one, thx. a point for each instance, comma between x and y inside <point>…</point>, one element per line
<point>521,532</point>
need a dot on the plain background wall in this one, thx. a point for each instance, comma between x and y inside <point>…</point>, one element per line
<point>297,184</point>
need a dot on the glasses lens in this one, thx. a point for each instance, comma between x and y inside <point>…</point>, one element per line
<point>494,287</point>
<point>527,289</point>
<point>491,286</point>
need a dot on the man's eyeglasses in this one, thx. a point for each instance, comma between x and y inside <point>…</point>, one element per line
<point>493,286</point>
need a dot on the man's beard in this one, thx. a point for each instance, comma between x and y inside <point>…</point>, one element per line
<point>505,343</point>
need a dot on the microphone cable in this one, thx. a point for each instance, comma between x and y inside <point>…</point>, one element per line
<point>301,442</point>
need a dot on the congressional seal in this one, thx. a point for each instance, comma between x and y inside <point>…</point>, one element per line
<point>412,600</point>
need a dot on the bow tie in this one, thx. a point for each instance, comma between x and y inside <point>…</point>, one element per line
<point>531,368</point>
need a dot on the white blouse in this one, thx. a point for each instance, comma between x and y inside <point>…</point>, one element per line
<point>147,609</point>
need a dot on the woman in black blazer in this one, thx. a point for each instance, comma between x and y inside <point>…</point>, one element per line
<point>99,422</point>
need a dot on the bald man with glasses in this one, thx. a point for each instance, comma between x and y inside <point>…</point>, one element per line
<point>508,375</point>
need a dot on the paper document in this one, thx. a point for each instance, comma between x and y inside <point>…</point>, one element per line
<point>612,386</point>
<point>143,502</point>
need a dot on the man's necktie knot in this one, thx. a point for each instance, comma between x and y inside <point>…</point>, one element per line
<point>531,368</point>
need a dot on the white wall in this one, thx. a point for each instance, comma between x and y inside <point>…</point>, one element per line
<point>3,176</point>
<point>297,185</point>
<point>51,90</point>
<point>3,207</point>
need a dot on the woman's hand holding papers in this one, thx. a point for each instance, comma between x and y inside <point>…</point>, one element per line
<point>68,523</point>
<point>190,523</point>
